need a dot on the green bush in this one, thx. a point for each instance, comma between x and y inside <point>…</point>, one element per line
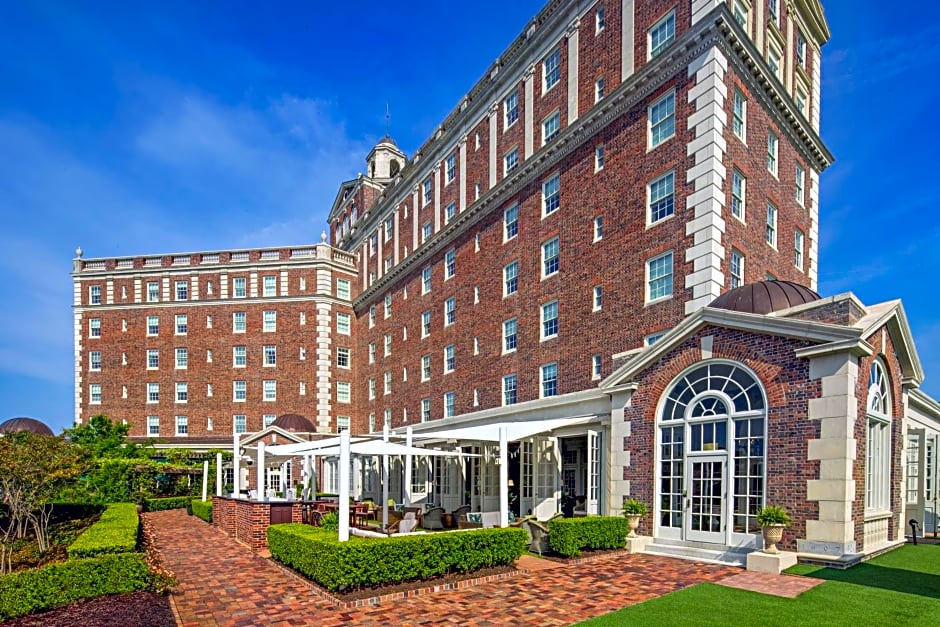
<point>567,536</point>
<point>115,532</point>
<point>58,584</point>
<point>363,562</point>
<point>203,510</point>
<point>170,502</point>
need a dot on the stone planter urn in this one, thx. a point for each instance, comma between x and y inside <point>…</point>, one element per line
<point>633,521</point>
<point>772,535</point>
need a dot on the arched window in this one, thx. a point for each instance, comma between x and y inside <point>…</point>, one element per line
<point>878,445</point>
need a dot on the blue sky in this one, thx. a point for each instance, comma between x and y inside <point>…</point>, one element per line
<point>132,128</point>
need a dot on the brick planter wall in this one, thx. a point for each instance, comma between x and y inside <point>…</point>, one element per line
<point>248,521</point>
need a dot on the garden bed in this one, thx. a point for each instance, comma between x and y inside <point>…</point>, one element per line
<point>142,609</point>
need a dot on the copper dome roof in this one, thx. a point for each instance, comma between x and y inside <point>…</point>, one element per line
<point>32,425</point>
<point>765,297</point>
<point>294,423</point>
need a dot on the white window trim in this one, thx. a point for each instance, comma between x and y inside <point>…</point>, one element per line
<point>646,284</point>
<point>649,120</point>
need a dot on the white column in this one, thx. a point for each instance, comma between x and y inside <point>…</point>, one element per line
<point>205,480</point>
<point>529,114</point>
<point>813,267</point>
<point>384,479</point>
<point>395,245</point>
<point>416,226</point>
<point>437,197</point>
<point>409,460</point>
<point>503,478</point>
<point>816,78</point>
<point>494,122</point>
<point>573,63</point>
<point>218,474</point>
<point>627,47</point>
<point>236,466</point>
<point>380,257</point>
<point>462,157</point>
<point>309,483</point>
<point>284,478</point>
<point>260,481</point>
<point>344,458</point>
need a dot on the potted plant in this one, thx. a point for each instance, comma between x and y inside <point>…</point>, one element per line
<point>773,519</point>
<point>634,510</point>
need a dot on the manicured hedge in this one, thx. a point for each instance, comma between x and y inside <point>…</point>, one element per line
<point>170,502</point>
<point>115,532</point>
<point>203,510</point>
<point>363,562</point>
<point>567,536</point>
<point>58,584</point>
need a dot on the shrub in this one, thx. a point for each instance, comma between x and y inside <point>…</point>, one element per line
<point>330,521</point>
<point>58,584</point>
<point>567,536</point>
<point>161,504</point>
<point>115,532</point>
<point>363,562</point>
<point>203,510</point>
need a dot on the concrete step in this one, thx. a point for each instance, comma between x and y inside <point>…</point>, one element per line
<point>717,554</point>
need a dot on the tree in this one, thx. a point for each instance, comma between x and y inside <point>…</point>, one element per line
<point>105,439</point>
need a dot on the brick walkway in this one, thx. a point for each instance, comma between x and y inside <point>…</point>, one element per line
<point>223,583</point>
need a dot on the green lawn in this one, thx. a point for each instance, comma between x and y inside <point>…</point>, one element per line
<point>899,588</point>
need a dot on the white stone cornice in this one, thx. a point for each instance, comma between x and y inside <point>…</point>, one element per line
<point>855,347</point>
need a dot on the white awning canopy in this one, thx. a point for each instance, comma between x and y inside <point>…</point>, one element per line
<point>515,431</point>
<point>364,447</point>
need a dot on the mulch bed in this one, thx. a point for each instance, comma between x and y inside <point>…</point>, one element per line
<point>141,609</point>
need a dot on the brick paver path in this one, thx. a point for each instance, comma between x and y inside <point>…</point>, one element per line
<point>223,583</point>
<point>789,586</point>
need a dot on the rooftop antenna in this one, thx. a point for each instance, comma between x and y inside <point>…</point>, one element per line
<point>388,121</point>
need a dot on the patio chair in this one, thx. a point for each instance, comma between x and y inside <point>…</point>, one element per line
<point>460,511</point>
<point>432,518</point>
<point>537,534</point>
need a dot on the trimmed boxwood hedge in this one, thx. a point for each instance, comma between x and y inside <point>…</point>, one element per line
<point>567,536</point>
<point>363,562</point>
<point>170,502</point>
<point>58,584</point>
<point>115,532</point>
<point>203,510</point>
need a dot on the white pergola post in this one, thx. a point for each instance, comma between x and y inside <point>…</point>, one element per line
<point>260,482</point>
<point>309,484</point>
<point>385,480</point>
<point>409,460</point>
<point>236,463</point>
<point>284,479</point>
<point>503,478</point>
<point>218,474</point>
<point>205,480</point>
<point>344,468</point>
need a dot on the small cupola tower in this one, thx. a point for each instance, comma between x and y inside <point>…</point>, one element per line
<point>385,160</point>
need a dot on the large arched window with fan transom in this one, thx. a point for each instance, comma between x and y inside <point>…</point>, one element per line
<point>878,445</point>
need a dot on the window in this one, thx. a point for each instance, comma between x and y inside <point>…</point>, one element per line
<point>342,424</point>
<point>343,289</point>
<point>425,367</point>
<point>94,295</point>
<point>509,335</point>
<point>238,322</point>
<point>476,191</point>
<point>878,448</point>
<point>800,183</point>
<point>371,316</point>
<point>182,324</point>
<point>182,358</point>
<point>208,322</point>
<point>800,98</point>
<point>240,423</point>
<point>510,223</point>
<point>425,232</point>
<point>662,119</point>
<point>596,367</point>
<point>598,297</point>
<point>209,356</point>
<point>182,392</point>
<point>182,425</point>
<point>550,320</point>
<point>371,352</point>
<point>343,394</point>
<point>94,327</point>
<point>239,391</point>
<point>426,323</point>
<point>659,277</point>
<point>239,356</point>
<point>739,115</point>
<point>450,264</point>
<point>94,360</point>
<point>448,404</point>
<point>738,190</point>
<point>551,126</point>
<point>450,212</point>
<point>302,282</point>
<point>425,409</point>
<point>511,160</point>
<point>450,314</point>
<point>153,392</point>
<point>426,192</point>
<point>426,280</point>
<point>509,390</point>
<point>153,325</point>
<point>269,321</point>
<point>549,380</point>
<point>599,89</point>
<point>774,9</point>
<point>652,338</point>
<point>343,323</point>
<point>511,278</point>
<point>740,11</point>
<point>662,195</point>
<point>798,248</point>
<point>388,344</point>
<point>371,388</point>
<point>662,34</point>
<point>737,268</point>
<point>450,173</point>
<point>599,158</point>
<point>94,394</point>
<point>238,287</point>
<point>153,425</point>
<point>388,306</point>
<point>550,257</point>
<point>448,358</point>
<point>551,70</point>
<point>511,110</point>
<point>772,144</point>
<point>774,59</point>
<point>598,228</point>
<point>268,419</point>
<point>771,231</point>
<point>270,390</point>
<point>182,290</point>
<point>153,292</point>
<point>342,357</point>
<point>153,359</point>
<point>599,20</point>
<point>389,228</point>
<point>270,355</point>
<point>551,195</point>
<point>374,243</point>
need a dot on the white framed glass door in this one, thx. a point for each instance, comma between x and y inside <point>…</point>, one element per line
<point>593,472</point>
<point>706,519</point>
